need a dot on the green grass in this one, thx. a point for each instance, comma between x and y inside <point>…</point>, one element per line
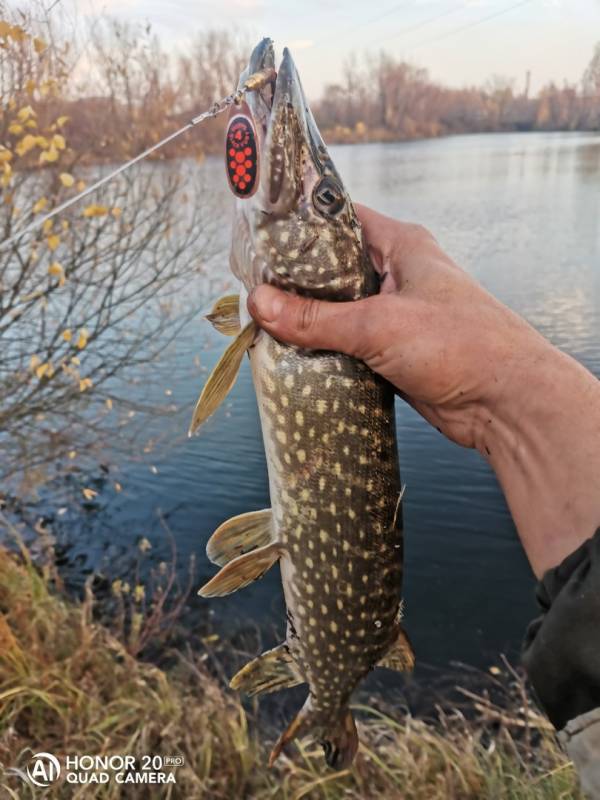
<point>67,686</point>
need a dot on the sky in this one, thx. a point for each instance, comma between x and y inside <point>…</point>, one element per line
<point>460,42</point>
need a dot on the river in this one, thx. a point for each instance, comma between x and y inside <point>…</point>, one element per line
<point>520,212</point>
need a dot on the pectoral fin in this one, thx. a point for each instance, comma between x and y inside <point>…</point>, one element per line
<point>242,571</point>
<point>240,535</point>
<point>400,656</point>
<point>225,315</point>
<point>222,377</point>
<point>271,671</point>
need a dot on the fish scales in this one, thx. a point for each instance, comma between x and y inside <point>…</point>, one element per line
<point>329,432</point>
<point>335,523</point>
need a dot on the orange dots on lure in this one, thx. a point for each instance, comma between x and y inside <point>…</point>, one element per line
<point>241,155</point>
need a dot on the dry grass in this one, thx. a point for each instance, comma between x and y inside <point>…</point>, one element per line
<point>68,686</point>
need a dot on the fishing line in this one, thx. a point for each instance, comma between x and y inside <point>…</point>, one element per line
<point>389,13</point>
<point>470,25</point>
<point>254,82</point>
<point>418,25</point>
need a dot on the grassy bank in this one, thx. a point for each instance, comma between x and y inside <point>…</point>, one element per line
<point>67,686</point>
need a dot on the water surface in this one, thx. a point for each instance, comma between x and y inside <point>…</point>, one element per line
<point>521,212</point>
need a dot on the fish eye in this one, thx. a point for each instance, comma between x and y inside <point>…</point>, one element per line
<point>328,196</point>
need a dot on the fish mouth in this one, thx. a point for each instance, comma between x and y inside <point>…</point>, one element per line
<point>292,151</point>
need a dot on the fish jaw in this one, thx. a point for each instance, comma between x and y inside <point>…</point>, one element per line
<point>299,230</point>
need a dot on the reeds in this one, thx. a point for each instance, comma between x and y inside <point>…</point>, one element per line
<point>68,686</point>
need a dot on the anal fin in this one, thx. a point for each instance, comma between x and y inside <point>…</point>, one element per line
<point>240,535</point>
<point>222,378</point>
<point>225,315</point>
<point>400,656</point>
<point>242,571</point>
<point>273,670</point>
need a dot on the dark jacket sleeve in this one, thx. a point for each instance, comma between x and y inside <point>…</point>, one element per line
<point>561,651</point>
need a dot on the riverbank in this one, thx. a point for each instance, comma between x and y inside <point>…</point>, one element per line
<point>69,687</point>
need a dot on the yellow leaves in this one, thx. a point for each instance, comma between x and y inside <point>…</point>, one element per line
<point>49,87</point>
<point>56,271</point>
<point>120,587</point>
<point>5,154</point>
<point>27,143</point>
<point>118,487</point>
<point>95,211</point>
<point>72,454</point>
<point>8,31</point>
<point>85,383</point>
<point>116,212</point>
<point>44,370</point>
<point>34,361</point>
<point>53,241</point>
<point>66,179</point>
<point>82,339</point>
<point>50,148</point>
<point>139,593</point>
<point>40,205</point>
<point>75,361</point>
<point>49,156</point>
<point>15,128</point>
<point>6,174</point>
<point>31,123</point>
<point>81,186</point>
<point>144,545</point>
<point>61,121</point>
<point>109,403</point>
<point>89,494</point>
<point>67,335</point>
<point>30,86</point>
<point>39,45</point>
<point>17,33</point>
<point>25,113</point>
<point>47,226</point>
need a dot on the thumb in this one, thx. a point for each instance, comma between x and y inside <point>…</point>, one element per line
<point>315,324</point>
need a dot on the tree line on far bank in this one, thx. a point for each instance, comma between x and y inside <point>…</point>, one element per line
<point>385,99</point>
<point>121,91</point>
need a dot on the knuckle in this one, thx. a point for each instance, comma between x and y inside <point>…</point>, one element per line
<point>421,233</point>
<point>307,315</point>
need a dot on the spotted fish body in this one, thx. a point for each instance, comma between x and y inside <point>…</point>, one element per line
<point>329,433</point>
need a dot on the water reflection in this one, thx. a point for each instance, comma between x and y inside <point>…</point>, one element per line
<point>520,212</point>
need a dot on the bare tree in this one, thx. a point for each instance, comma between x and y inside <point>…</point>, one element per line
<point>93,293</point>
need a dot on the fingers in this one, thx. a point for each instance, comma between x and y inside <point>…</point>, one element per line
<point>394,246</point>
<point>314,324</point>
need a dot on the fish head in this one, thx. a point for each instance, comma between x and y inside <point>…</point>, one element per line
<point>299,230</point>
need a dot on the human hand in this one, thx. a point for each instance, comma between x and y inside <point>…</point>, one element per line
<point>474,369</point>
<point>444,342</point>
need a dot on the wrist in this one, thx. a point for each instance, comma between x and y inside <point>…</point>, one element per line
<point>541,435</point>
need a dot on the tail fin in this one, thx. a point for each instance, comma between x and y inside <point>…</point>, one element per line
<point>338,736</point>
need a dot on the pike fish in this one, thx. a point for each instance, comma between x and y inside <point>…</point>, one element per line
<point>335,522</point>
